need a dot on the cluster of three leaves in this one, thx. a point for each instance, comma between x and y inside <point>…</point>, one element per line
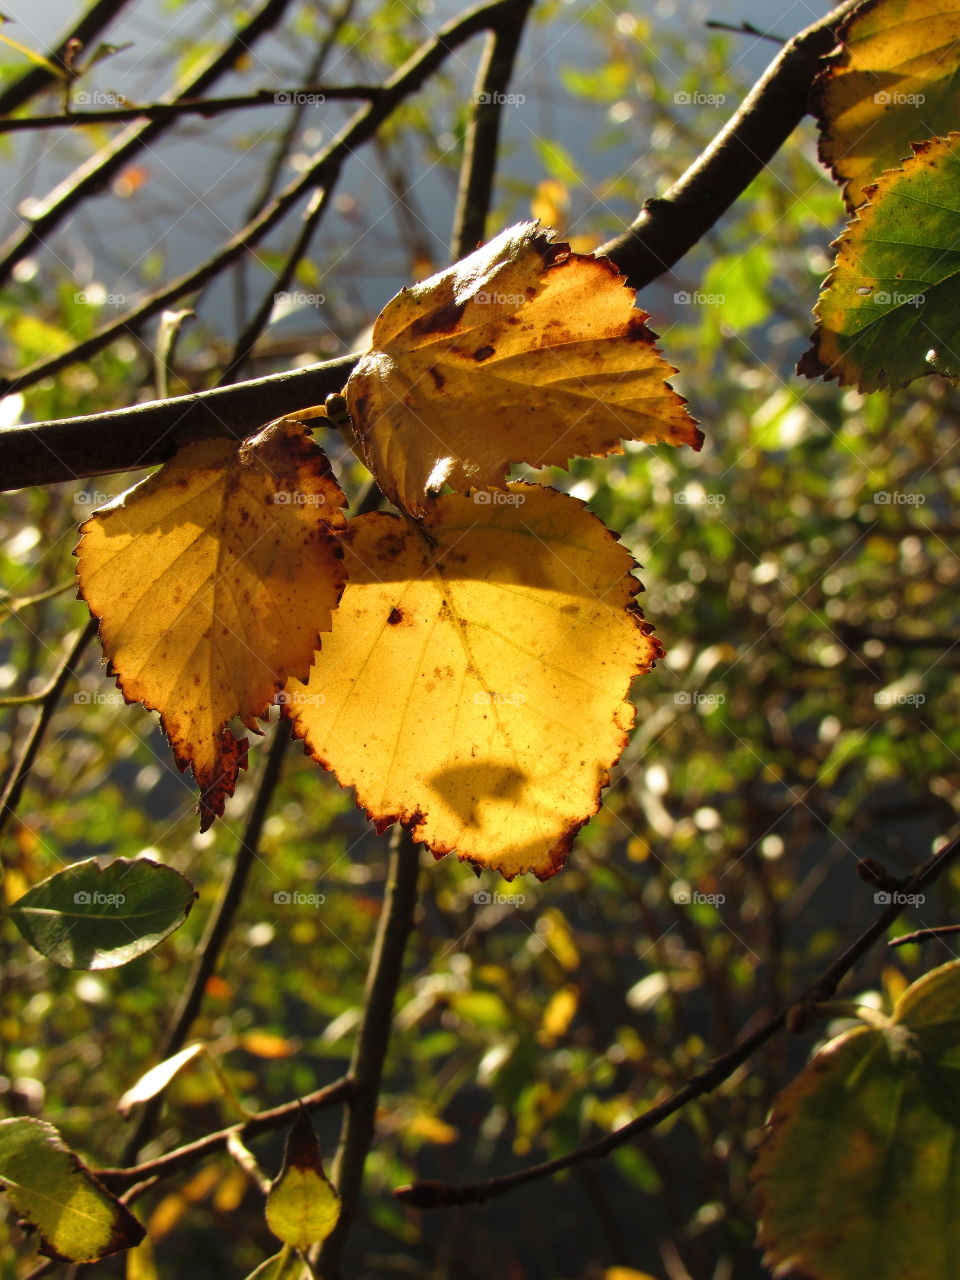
<point>477,651</point>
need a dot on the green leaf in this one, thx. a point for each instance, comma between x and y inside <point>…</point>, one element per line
<point>51,1188</point>
<point>859,1176</point>
<point>302,1206</point>
<point>88,917</point>
<point>888,313</point>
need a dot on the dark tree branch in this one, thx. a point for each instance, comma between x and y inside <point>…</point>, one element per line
<point>475,191</point>
<point>373,1039</point>
<point>218,928</point>
<point>95,173</point>
<point>189,1154</point>
<point>51,696</point>
<point>436,1195</point>
<point>205,107</point>
<point>669,226</point>
<point>34,81</point>
<point>924,935</point>
<point>124,439</point>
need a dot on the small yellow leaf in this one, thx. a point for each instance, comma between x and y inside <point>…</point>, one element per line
<point>558,1015</point>
<point>522,352</point>
<point>558,937</point>
<point>264,1045</point>
<point>141,1263</point>
<point>302,1206</point>
<point>497,643</point>
<point>157,1078</point>
<point>212,581</point>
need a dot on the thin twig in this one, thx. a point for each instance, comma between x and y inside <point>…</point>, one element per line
<point>482,144</point>
<point>373,1039</point>
<point>436,1195</point>
<point>323,171</point>
<point>743,29</point>
<point>94,174</point>
<point>21,771</point>
<point>218,928</point>
<point>37,79</point>
<point>192,1153</point>
<point>205,107</point>
<point>923,935</point>
<point>669,226</point>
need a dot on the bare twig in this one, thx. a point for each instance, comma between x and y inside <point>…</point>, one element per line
<point>92,176</point>
<point>218,928</point>
<point>205,107</point>
<point>192,1152</point>
<point>51,696</point>
<point>482,143</point>
<point>366,1067</point>
<point>435,1195</point>
<point>924,935</point>
<point>37,79</point>
<point>671,225</point>
<point>322,172</point>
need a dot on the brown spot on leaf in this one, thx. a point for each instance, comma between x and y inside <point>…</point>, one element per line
<point>483,353</point>
<point>395,616</point>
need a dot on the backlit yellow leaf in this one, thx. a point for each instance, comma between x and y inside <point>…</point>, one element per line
<point>497,644</point>
<point>302,1206</point>
<point>212,581</point>
<point>894,83</point>
<point>522,352</point>
<point>558,1015</point>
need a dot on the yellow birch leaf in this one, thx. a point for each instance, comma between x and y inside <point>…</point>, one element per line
<point>558,1015</point>
<point>474,684</point>
<point>522,352</point>
<point>212,581</point>
<point>894,82</point>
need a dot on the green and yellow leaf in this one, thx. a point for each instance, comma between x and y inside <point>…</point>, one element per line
<point>302,1205</point>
